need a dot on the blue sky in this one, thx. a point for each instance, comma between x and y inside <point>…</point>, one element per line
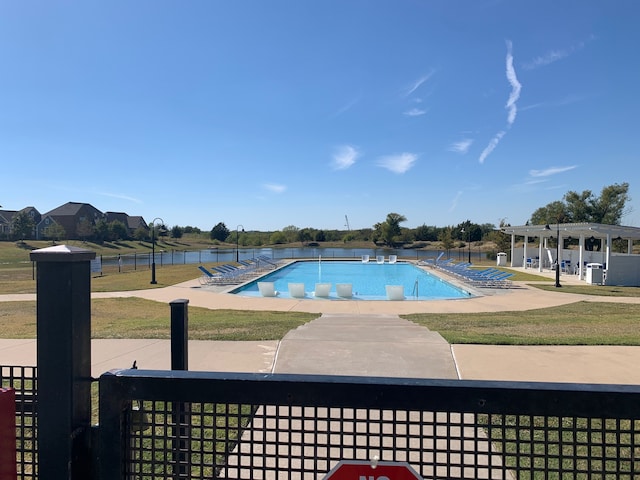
<point>267,114</point>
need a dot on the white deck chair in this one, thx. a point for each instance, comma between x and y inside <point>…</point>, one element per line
<point>393,258</point>
<point>344,290</point>
<point>395,292</point>
<point>380,258</point>
<point>267,289</point>
<point>322,290</point>
<point>296,290</point>
<point>365,258</point>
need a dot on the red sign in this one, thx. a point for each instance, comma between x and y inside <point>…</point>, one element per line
<point>361,470</point>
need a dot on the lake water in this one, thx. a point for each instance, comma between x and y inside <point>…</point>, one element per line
<point>368,280</point>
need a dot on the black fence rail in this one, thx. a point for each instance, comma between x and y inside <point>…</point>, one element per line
<point>24,381</point>
<point>156,425</point>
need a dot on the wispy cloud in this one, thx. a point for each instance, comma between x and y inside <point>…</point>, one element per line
<point>120,196</point>
<point>415,112</point>
<point>516,87</point>
<point>454,202</point>
<point>400,163</point>
<point>492,144</point>
<point>344,157</point>
<point>568,100</point>
<point>416,85</point>
<point>462,146</point>
<point>346,107</point>
<point>550,171</point>
<point>274,188</point>
<point>552,56</point>
<point>511,106</point>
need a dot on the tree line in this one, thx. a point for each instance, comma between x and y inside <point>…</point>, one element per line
<point>609,207</point>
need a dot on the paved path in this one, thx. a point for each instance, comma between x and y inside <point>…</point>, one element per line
<point>365,345</point>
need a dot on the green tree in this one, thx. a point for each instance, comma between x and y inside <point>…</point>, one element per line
<point>220,232</point>
<point>118,231</point>
<point>608,208</point>
<point>22,226</point>
<point>291,233</point>
<point>305,235</point>
<point>84,229</point>
<point>278,238</point>
<point>446,237</point>
<point>320,236</point>
<point>501,239</point>
<point>55,232</point>
<point>176,232</point>
<point>389,230</point>
<point>425,234</point>
<point>551,213</point>
<point>101,231</point>
<point>141,234</point>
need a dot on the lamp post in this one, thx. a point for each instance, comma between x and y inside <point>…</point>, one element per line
<point>468,242</point>
<point>237,242</point>
<point>153,249</point>
<point>547,227</point>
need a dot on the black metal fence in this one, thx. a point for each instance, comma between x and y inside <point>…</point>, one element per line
<point>24,381</point>
<point>165,257</point>
<point>156,425</point>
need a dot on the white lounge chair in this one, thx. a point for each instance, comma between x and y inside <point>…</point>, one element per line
<point>393,258</point>
<point>296,290</point>
<point>344,290</point>
<point>322,290</point>
<point>267,289</point>
<point>365,258</point>
<point>395,292</point>
<point>380,258</point>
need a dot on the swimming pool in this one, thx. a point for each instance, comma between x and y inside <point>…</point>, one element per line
<point>368,280</point>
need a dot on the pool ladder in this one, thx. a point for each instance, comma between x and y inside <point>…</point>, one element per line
<point>415,289</point>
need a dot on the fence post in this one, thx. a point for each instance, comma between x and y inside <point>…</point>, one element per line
<point>180,361</point>
<point>64,361</point>
<point>179,334</point>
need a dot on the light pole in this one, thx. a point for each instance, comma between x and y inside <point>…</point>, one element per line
<point>468,242</point>
<point>547,227</point>
<point>153,249</point>
<point>237,242</point>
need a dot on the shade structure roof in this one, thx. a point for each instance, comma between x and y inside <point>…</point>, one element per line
<point>596,230</point>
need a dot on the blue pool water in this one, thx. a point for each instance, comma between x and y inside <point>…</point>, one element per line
<point>368,280</point>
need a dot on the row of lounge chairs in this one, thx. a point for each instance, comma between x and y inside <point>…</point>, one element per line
<point>380,259</point>
<point>228,274</point>
<point>296,290</point>
<point>487,278</point>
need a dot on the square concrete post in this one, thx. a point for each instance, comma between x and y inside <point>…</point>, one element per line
<point>64,361</point>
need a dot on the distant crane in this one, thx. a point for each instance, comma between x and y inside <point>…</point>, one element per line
<point>346,219</point>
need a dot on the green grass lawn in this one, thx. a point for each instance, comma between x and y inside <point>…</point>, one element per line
<point>582,323</point>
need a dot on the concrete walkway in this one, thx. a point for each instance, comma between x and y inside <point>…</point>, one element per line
<point>365,345</point>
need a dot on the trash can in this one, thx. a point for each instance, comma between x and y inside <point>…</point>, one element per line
<point>501,259</point>
<point>595,274</point>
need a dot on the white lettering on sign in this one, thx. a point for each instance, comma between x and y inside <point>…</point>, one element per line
<point>371,477</point>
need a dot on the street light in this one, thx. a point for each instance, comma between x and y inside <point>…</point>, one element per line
<point>237,242</point>
<point>153,249</point>
<point>468,242</point>
<point>547,227</point>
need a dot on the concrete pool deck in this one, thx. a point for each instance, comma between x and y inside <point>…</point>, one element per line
<point>575,364</point>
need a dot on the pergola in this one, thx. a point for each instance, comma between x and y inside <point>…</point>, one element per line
<point>581,231</point>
